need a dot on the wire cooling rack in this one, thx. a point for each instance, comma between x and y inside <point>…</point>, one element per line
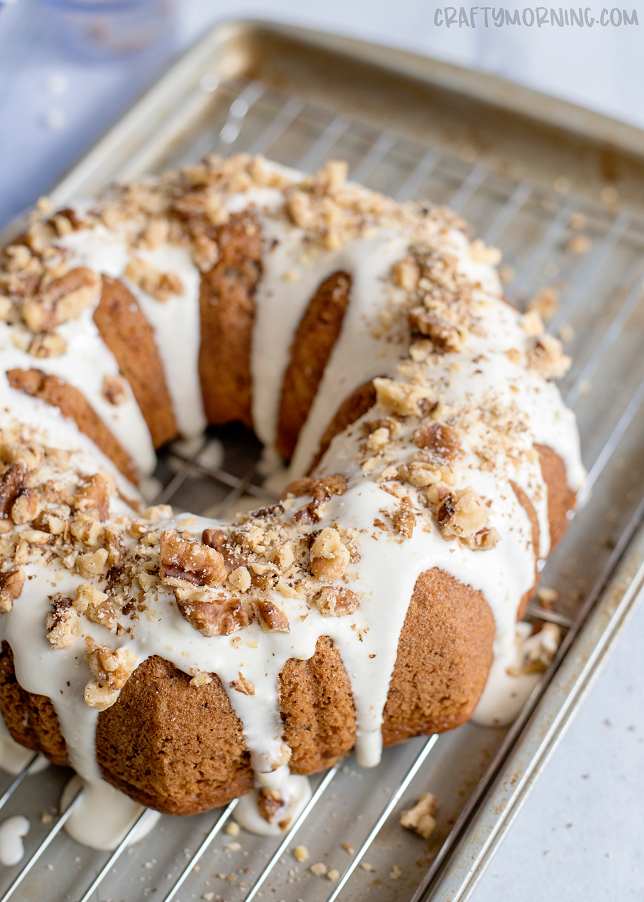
<point>591,258</point>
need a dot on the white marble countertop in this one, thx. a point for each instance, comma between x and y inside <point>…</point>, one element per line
<point>579,833</point>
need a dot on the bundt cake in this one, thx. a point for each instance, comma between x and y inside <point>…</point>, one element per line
<point>432,466</point>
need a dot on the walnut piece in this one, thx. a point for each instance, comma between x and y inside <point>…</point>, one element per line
<point>242,685</point>
<point>329,557</point>
<point>99,695</point>
<point>111,668</point>
<point>419,473</point>
<point>548,359</point>
<point>405,274</point>
<point>240,579</point>
<point>96,606</point>
<point>419,818</point>
<point>402,399</point>
<point>160,285</point>
<point>92,564</point>
<point>335,602</point>
<point>114,390</point>
<point>62,622</point>
<point>50,344</point>
<point>63,299</point>
<point>443,336</point>
<point>26,507</point>
<point>93,494</point>
<point>190,561</point>
<point>210,615</point>
<point>11,485</point>
<point>404,519</point>
<point>443,442</point>
<point>11,585</point>
<point>271,618</point>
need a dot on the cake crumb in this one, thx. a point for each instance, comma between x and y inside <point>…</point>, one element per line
<point>395,872</point>
<point>232,829</point>
<point>318,869</point>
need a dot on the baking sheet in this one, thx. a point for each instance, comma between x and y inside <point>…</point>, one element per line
<point>518,166</point>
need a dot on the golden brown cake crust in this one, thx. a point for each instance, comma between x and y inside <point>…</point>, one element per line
<point>74,406</point>
<point>560,498</point>
<point>313,343</point>
<point>31,719</point>
<point>444,655</point>
<point>227,309</point>
<point>357,404</point>
<point>130,337</point>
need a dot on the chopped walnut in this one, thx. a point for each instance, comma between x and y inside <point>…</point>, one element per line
<point>96,606</point>
<point>114,390</point>
<point>158,512</point>
<point>419,818</point>
<point>156,232</point>
<point>113,668</point>
<point>160,285</point>
<point>329,557</point>
<point>399,398</point>
<point>242,685</point>
<point>62,622</point>
<point>26,507</point>
<point>212,616</point>
<point>545,303</point>
<point>540,648</point>
<point>419,473</point>
<point>482,254</point>
<point>11,585</point>
<point>443,442</point>
<point>444,336</point>
<point>335,602</point>
<point>548,359</point>
<point>240,579</point>
<point>205,252</point>
<point>11,485</point>
<point>50,344</point>
<point>93,495</point>
<point>190,561</point>
<point>301,853</point>
<point>99,695</point>
<point>92,564</point>
<point>271,618</point>
<point>532,324</point>
<point>201,679</point>
<point>464,515</point>
<point>269,802</point>
<point>405,274</point>
<point>63,299</point>
<point>404,519</point>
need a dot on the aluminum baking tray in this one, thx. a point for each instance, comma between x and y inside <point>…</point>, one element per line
<point>561,191</point>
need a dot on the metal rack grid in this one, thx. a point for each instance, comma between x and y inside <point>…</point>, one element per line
<point>593,257</point>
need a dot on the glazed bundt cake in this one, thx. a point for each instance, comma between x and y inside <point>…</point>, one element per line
<point>432,466</point>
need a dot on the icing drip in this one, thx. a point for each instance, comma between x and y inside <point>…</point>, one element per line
<point>484,385</point>
<point>12,833</point>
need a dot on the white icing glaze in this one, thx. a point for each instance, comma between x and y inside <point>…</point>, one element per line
<point>177,331</point>
<point>104,815</point>
<point>388,569</point>
<point>12,833</point>
<point>296,792</point>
